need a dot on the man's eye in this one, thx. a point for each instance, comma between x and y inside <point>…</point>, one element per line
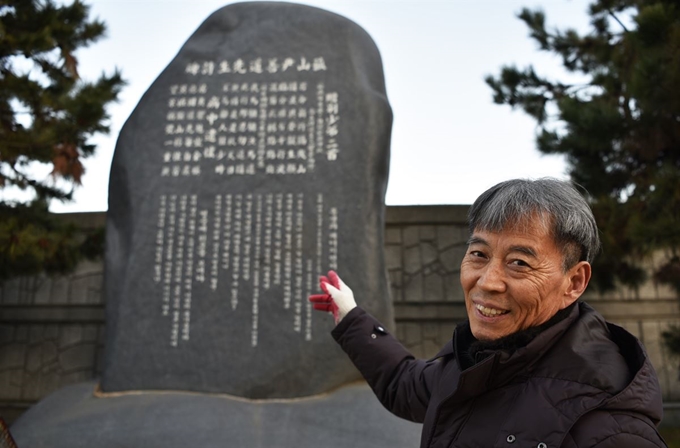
<point>520,263</point>
<point>477,254</point>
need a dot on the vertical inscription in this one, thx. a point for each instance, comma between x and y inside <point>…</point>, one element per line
<point>288,250</point>
<point>308,304</point>
<point>216,237</point>
<point>333,238</point>
<point>226,250</point>
<point>160,240</point>
<point>256,273</point>
<point>247,237</point>
<point>320,89</point>
<point>167,268</point>
<point>319,232</point>
<point>267,245</point>
<point>311,140</point>
<point>262,128</point>
<point>332,119</point>
<point>299,274</point>
<point>278,223</point>
<point>236,259</point>
<point>318,260</point>
<point>202,246</point>
<point>177,272</point>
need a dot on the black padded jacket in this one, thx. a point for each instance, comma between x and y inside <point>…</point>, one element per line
<point>582,382</point>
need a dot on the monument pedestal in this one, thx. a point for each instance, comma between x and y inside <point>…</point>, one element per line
<point>74,417</point>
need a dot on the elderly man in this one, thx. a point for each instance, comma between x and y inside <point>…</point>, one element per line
<point>532,366</point>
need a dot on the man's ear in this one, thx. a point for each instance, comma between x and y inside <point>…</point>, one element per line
<point>578,276</point>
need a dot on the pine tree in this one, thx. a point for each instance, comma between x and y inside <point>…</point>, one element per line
<point>47,115</point>
<point>619,130</point>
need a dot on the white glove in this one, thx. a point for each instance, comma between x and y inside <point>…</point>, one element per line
<point>338,298</point>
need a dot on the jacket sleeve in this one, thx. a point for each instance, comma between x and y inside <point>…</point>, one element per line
<point>402,383</point>
<point>625,440</point>
<point>603,429</point>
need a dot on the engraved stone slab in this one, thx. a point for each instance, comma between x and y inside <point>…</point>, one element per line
<point>255,162</point>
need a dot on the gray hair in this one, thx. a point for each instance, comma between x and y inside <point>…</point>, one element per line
<point>570,219</point>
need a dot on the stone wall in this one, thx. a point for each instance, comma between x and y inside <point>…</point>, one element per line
<point>423,247</point>
<point>51,329</point>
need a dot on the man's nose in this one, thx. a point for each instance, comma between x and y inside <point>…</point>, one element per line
<point>492,278</point>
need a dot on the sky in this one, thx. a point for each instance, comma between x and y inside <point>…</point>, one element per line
<point>450,142</point>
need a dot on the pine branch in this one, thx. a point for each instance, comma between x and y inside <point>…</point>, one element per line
<point>611,14</point>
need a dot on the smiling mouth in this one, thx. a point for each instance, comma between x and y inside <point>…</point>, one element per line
<point>490,312</point>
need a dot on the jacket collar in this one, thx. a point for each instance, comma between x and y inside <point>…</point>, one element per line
<point>463,338</point>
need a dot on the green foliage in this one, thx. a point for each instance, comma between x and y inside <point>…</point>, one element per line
<point>47,116</point>
<point>33,241</point>
<point>619,130</point>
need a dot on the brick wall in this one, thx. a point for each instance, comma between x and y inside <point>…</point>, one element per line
<point>51,329</point>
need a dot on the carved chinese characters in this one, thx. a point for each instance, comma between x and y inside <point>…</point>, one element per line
<point>249,128</point>
<point>255,162</point>
<point>251,240</point>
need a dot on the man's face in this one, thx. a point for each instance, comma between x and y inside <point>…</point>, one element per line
<point>514,280</point>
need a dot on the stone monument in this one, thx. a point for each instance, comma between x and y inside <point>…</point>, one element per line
<point>256,161</point>
<point>260,147</point>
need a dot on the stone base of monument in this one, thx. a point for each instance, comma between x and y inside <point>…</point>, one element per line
<point>75,417</point>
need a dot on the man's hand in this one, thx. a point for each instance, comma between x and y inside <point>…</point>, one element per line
<point>338,298</point>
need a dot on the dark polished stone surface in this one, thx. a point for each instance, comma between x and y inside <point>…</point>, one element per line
<point>255,162</point>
